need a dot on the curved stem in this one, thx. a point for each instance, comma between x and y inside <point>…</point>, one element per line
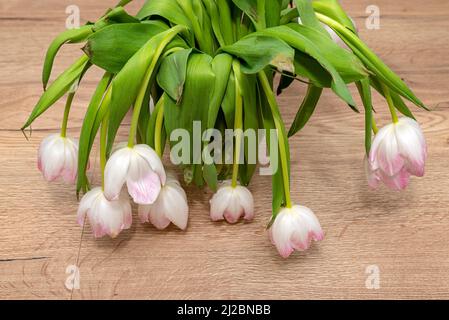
<point>158,131</point>
<point>374,125</point>
<point>65,119</point>
<point>281,135</point>
<point>103,143</point>
<point>238,124</point>
<point>143,89</point>
<point>394,115</point>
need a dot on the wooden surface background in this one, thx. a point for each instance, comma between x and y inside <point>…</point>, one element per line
<point>406,235</point>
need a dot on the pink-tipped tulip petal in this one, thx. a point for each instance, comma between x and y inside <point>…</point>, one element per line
<point>105,217</point>
<point>142,171</point>
<point>231,204</point>
<point>294,229</point>
<point>170,207</point>
<point>58,157</point>
<point>399,150</point>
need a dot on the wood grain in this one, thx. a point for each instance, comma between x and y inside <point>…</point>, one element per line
<point>404,234</point>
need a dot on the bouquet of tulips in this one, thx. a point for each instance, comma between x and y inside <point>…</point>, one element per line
<point>194,71</point>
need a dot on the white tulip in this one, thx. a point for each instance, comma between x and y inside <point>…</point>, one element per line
<point>232,203</point>
<point>294,229</point>
<point>58,157</point>
<point>142,170</point>
<point>170,207</point>
<point>106,217</point>
<point>399,150</point>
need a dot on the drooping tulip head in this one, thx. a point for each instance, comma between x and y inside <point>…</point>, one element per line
<point>58,157</point>
<point>231,204</point>
<point>106,217</point>
<point>142,171</point>
<point>294,229</point>
<point>399,150</point>
<point>170,207</point>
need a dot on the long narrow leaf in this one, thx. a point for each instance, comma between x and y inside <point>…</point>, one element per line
<point>58,88</point>
<point>306,109</point>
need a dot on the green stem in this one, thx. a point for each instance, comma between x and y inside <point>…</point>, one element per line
<point>394,115</point>
<point>143,89</point>
<point>65,119</point>
<point>123,3</point>
<point>103,145</point>
<point>158,130</point>
<point>374,126</point>
<point>238,123</point>
<point>281,135</point>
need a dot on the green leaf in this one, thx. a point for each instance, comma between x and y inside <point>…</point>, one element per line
<point>150,136</point>
<point>350,68</point>
<point>308,18</point>
<point>308,67</point>
<point>372,61</point>
<point>259,51</point>
<point>172,73</point>
<point>69,36</point>
<point>127,83</point>
<point>169,10</point>
<point>303,44</point>
<point>332,9</point>
<point>306,109</point>
<point>210,175</point>
<point>225,19</point>
<point>119,15</point>
<point>89,131</point>
<point>273,12</point>
<point>365,93</point>
<point>250,123</point>
<point>58,88</point>
<point>212,10</point>
<point>249,7</point>
<point>228,103</point>
<point>221,67</point>
<point>123,40</point>
<point>194,106</point>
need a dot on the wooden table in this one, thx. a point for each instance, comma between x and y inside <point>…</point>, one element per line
<point>404,235</point>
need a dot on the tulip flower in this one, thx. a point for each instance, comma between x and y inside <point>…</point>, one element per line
<point>142,170</point>
<point>231,203</point>
<point>399,150</point>
<point>170,207</point>
<point>294,229</point>
<point>58,157</point>
<point>106,217</point>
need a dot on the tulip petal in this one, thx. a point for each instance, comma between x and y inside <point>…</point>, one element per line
<point>86,203</point>
<point>247,202</point>
<point>116,172</point>
<point>145,189</point>
<point>219,203</point>
<point>176,207</point>
<point>153,160</point>
<point>157,215</point>
<point>52,159</point>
